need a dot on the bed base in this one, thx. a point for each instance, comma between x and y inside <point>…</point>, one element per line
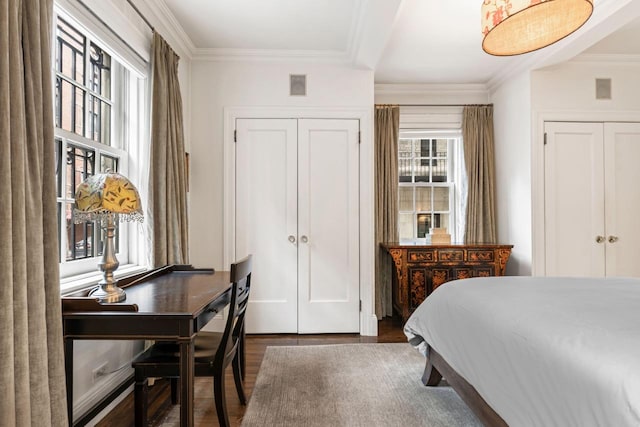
<point>436,367</point>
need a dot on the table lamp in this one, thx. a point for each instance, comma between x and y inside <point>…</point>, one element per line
<point>107,198</point>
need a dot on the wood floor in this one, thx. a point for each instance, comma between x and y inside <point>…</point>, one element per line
<point>389,330</point>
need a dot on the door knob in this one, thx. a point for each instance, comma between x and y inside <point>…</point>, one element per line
<point>304,239</point>
<point>599,239</point>
<point>613,239</point>
<point>292,239</point>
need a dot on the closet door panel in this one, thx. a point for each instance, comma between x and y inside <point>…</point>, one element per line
<point>622,198</point>
<point>266,217</point>
<point>574,194</point>
<point>328,253</point>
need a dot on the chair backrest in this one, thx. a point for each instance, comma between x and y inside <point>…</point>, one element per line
<point>241,285</point>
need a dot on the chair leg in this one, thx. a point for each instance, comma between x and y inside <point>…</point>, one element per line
<point>241,352</point>
<point>237,378</point>
<point>174,391</point>
<point>220,400</point>
<point>140,406</point>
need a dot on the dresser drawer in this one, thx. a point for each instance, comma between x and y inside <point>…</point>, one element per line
<point>423,255</point>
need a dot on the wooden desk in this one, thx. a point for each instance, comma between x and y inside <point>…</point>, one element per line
<point>420,269</point>
<point>169,304</point>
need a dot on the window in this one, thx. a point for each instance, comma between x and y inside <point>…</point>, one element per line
<point>91,127</point>
<point>428,174</point>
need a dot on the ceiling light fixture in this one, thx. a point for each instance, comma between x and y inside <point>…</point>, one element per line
<point>513,27</point>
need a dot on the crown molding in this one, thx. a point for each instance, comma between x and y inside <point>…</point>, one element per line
<point>356,30</point>
<point>276,55</point>
<point>430,89</point>
<point>608,58</point>
<point>161,16</point>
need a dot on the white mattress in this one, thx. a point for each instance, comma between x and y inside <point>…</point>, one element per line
<point>541,351</point>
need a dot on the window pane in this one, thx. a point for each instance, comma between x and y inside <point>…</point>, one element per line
<point>58,155</point>
<point>108,163</point>
<point>421,171</point>
<point>423,198</point>
<point>69,106</point>
<point>405,226</point>
<point>79,237</point>
<point>100,71</point>
<point>424,223</point>
<point>70,52</point>
<point>80,164</point>
<point>441,198</point>
<point>422,147</point>
<point>441,220</point>
<point>441,148</point>
<point>405,199</point>
<point>439,170</point>
<point>99,120</point>
<point>404,160</point>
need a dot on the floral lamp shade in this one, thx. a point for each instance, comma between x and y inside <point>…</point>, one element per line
<point>107,197</point>
<point>513,27</point>
<point>107,193</point>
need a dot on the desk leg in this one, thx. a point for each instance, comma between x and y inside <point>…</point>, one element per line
<point>186,383</point>
<point>68,375</point>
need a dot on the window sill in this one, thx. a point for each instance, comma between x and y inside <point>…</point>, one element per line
<point>76,283</point>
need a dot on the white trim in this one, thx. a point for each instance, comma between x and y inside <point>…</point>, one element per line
<point>538,267</point>
<point>86,402</point>
<point>356,30</point>
<point>157,11</point>
<point>104,36</point>
<point>84,281</point>
<point>426,89</point>
<point>272,55</point>
<point>368,320</point>
<point>607,58</point>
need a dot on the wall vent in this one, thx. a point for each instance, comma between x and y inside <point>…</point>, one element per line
<point>298,84</point>
<point>603,88</point>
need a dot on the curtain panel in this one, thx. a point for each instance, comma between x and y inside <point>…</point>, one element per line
<point>387,129</point>
<point>31,344</point>
<point>479,159</point>
<point>168,179</point>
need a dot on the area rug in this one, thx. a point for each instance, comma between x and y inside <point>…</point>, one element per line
<point>350,385</point>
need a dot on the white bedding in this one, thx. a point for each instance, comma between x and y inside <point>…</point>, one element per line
<point>541,351</point>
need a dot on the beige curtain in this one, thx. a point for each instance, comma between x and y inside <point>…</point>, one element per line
<point>31,346</point>
<point>387,127</point>
<point>479,159</point>
<point>168,180</point>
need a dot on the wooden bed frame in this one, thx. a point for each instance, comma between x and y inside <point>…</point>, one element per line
<point>436,367</point>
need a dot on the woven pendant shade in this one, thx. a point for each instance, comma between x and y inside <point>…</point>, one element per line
<point>512,27</point>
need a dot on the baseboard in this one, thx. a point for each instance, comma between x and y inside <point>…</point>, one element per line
<point>368,325</point>
<point>95,395</point>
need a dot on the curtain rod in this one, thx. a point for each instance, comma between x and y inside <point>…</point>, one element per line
<point>144,18</point>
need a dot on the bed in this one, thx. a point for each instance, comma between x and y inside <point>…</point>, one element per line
<point>536,351</point>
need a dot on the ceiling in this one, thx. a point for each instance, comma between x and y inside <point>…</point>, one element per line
<point>404,41</point>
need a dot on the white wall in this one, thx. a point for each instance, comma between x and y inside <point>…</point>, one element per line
<point>512,128</point>
<point>220,84</point>
<point>566,92</point>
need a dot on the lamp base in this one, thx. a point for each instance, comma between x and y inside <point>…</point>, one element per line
<point>108,293</point>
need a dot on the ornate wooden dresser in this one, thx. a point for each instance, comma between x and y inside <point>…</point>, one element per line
<point>420,269</point>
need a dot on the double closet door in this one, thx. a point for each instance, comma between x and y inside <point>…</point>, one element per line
<point>592,196</point>
<point>297,212</point>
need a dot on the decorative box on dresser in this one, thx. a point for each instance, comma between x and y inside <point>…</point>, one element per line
<point>420,269</point>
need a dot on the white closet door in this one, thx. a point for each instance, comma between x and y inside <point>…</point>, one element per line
<point>328,248</point>
<point>622,198</point>
<point>266,215</point>
<point>574,194</point>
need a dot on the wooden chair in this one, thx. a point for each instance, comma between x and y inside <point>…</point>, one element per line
<point>214,351</point>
